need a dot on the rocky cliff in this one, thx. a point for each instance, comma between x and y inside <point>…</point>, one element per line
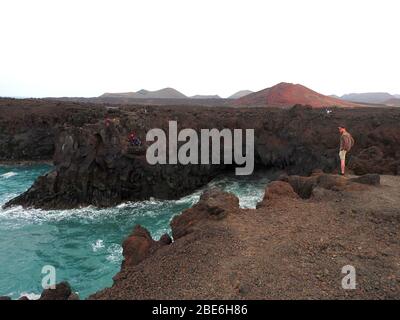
<point>95,165</point>
<point>28,127</point>
<point>287,248</point>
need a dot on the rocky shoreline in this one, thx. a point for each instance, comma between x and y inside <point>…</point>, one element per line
<point>61,291</point>
<point>95,165</point>
<point>292,246</point>
<point>287,248</point>
<point>16,163</point>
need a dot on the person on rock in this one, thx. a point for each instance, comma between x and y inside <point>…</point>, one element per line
<point>107,122</point>
<point>346,143</point>
<point>134,140</point>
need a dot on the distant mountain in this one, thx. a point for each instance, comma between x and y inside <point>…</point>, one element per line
<point>334,96</point>
<point>394,102</point>
<point>368,97</point>
<point>166,93</point>
<point>199,96</point>
<point>287,95</point>
<point>397,96</point>
<point>240,94</point>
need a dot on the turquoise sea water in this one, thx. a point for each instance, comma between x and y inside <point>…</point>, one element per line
<point>84,245</point>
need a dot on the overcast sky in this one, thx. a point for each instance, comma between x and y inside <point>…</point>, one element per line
<point>85,48</point>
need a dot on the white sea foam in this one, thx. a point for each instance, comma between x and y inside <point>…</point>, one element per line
<point>114,253</point>
<point>148,208</point>
<point>8,175</point>
<point>105,247</point>
<point>30,295</point>
<point>99,244</point>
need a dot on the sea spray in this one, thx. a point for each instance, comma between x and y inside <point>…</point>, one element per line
<point>84,245</point>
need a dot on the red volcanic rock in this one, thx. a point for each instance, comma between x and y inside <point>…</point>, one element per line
<point>214,204</point>
<point>276,191</point>
<point>288,95</point>
<point>139,245</point>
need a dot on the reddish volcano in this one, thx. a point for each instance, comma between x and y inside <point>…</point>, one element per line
<point>288,95</point>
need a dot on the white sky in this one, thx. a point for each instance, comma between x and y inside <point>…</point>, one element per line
<point>85,48</point>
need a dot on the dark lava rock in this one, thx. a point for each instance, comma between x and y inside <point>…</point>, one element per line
<point>29,127</point>
<point>4,298</point>
<point>371,179</point>
<point>305,186</point>
<point>61,292</point>
<point>96,165</point>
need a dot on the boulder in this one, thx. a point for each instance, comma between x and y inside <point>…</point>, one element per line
<point>62,291</point>
<point>139,245</point>
<point>23,298</point>
<point>277,190</point>
<point>213,204</point>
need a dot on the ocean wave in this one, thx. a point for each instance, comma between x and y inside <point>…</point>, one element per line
<point>18,216</point>
<point>90,236</point>
<point>8,175</point>
<point>114,253</point>
<point>99,244</point>
<point>248,198</point>
<point>29,295</point>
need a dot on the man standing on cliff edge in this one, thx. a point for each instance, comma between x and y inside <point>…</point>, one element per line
<point>346,143</point>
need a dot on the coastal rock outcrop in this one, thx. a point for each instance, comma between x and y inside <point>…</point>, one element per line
<point>288,248</point>
<point>277,191</point>
<point>62,291</point>
<point>94,163</point>
<point>188,228</point>
<point>140,245</point>
<point>213,204</point>
<point>29,127</point>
